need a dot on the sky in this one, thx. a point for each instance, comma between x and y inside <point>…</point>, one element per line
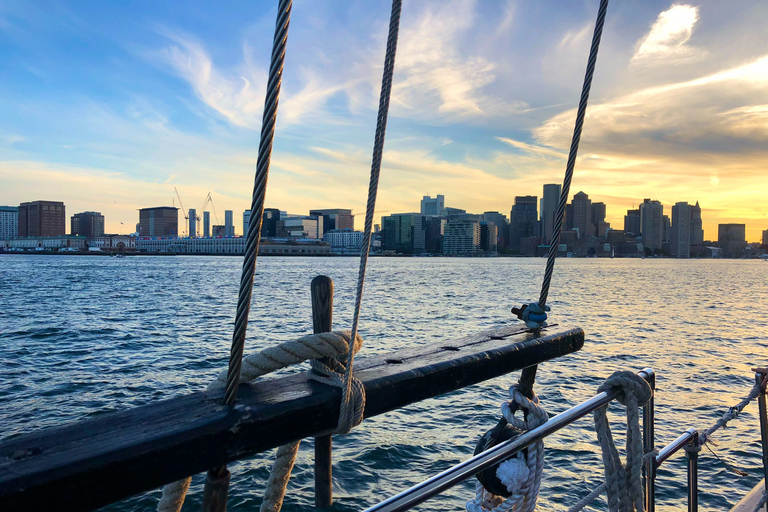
<point>108,106</point>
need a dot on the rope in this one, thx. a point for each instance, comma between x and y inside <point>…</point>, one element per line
<point>333,345</point>
<point>346,423</point>
<point>589,498</point>
<point>732,413</point>
<point>581,113</point>
<point>522,473</point>
<point>625,491</point>
<point>257,201</point>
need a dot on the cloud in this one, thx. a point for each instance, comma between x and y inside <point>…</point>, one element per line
<point>667,41</point>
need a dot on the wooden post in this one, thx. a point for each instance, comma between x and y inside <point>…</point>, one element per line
<point>322,321</point>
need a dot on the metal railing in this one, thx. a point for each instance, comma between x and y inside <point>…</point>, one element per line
<point>689,441</point>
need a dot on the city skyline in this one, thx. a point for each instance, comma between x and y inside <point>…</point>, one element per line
<point>677,111</point>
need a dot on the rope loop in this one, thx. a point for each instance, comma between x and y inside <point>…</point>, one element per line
<point>625,492</point>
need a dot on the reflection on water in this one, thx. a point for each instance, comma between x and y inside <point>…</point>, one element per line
<point>83,336</point>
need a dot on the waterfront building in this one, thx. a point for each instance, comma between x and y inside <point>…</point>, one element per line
<point>159,221</point>
<point>231,246</point>
<point>344,241</point>
<point>549,203</point>
<point>652,224</point>
<point>680,239</point>
<point>397,232</point>
<point>603,228</point>
<point>334,218</point>
<point>88,224</point>
<point>732,239</point>
<point>502,226</point>
<point>301,226</point>
<point>247,222</point>
<point>229,226</point>
<point>632,223</point>
<point>48,243</point>
<point>9,222</point>
<point>206,224</point>
<point>428,234</point>
<point>529,246</point>
<point>218,231</point>
<point>765,237</point>
<point>582,215</point>
<point>269,221</point>
<point>697,231</point>
<point>113,243</point>
<point>433,206</point>
<point>489,236</point>
<point>192,233</point>
<point>42,218</point>
<point>461,237</point>
<point>523,220</point>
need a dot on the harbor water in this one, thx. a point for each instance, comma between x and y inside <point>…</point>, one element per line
<point>82,336</point>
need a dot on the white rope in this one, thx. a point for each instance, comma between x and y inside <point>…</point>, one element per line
<point>333,345</point>
<point>625,491</point>
<point>521,474</point>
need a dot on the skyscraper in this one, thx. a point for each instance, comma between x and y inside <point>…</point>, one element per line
<point>549,204</point>
<point>206,224</point>
<point>229,227</point>
<point>397,232</point>
<point>652,225</point>
<point>732,239</point>
<point>632,223</point>
<point>582,215</point>
<point>159,221</point>
<point>9,222</point>
<point>431,206</point>
<point>90,224</point>
<point>500,221</point>
<point>598,215</point>
<point>523,221</point>
<point>192,222</point>
<point>680,238</point>
<point>42,218</point>
<point>697,231</point>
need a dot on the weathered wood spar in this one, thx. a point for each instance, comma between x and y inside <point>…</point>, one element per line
<point>92,463</point>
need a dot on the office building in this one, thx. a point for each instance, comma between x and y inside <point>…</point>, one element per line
<point>489,235</point>
<point>523,220</point>
<point>680,238</point>
<point>549,204</point>
<point>42,218</point>
<point>344,241</point>
<point>765,236</point>
<point>502,228</point>
<point>90,224</point>
<point>428,234</point>
<point>430,206</point>
<point>335,218</point>
<point>697,231</point>
<point>229,226</point>
<point>732,239</point>
<point>192,222</point>
<point>301,226</point>
<point>632,223</point>
<point>218,231</point>
<point>230,245</point>
<point>582,215</point>
<point>206,224</point>
<point>461,237</point>
<point>667,229</point>
<point>9,222</point>
<point>397,232</point>
<point>598,216</point>
<point>652,224</point>
<point>161,221</point>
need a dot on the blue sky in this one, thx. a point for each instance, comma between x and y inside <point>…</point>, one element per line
<point>107,106</point>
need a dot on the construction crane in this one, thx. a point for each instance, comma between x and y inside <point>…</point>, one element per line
<point>186,217</point>
<point>208,200</point>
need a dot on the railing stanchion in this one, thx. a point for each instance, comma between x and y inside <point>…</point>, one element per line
<point>760,380</point>
<point>322,321</point>
<point>649,473</point>
<point>693,472</point>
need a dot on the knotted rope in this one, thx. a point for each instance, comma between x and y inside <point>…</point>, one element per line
<point>332,345</point>
<point>625,491</point>
<point>522,473</point>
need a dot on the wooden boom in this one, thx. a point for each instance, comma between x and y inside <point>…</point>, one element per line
<point>91,463</point>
